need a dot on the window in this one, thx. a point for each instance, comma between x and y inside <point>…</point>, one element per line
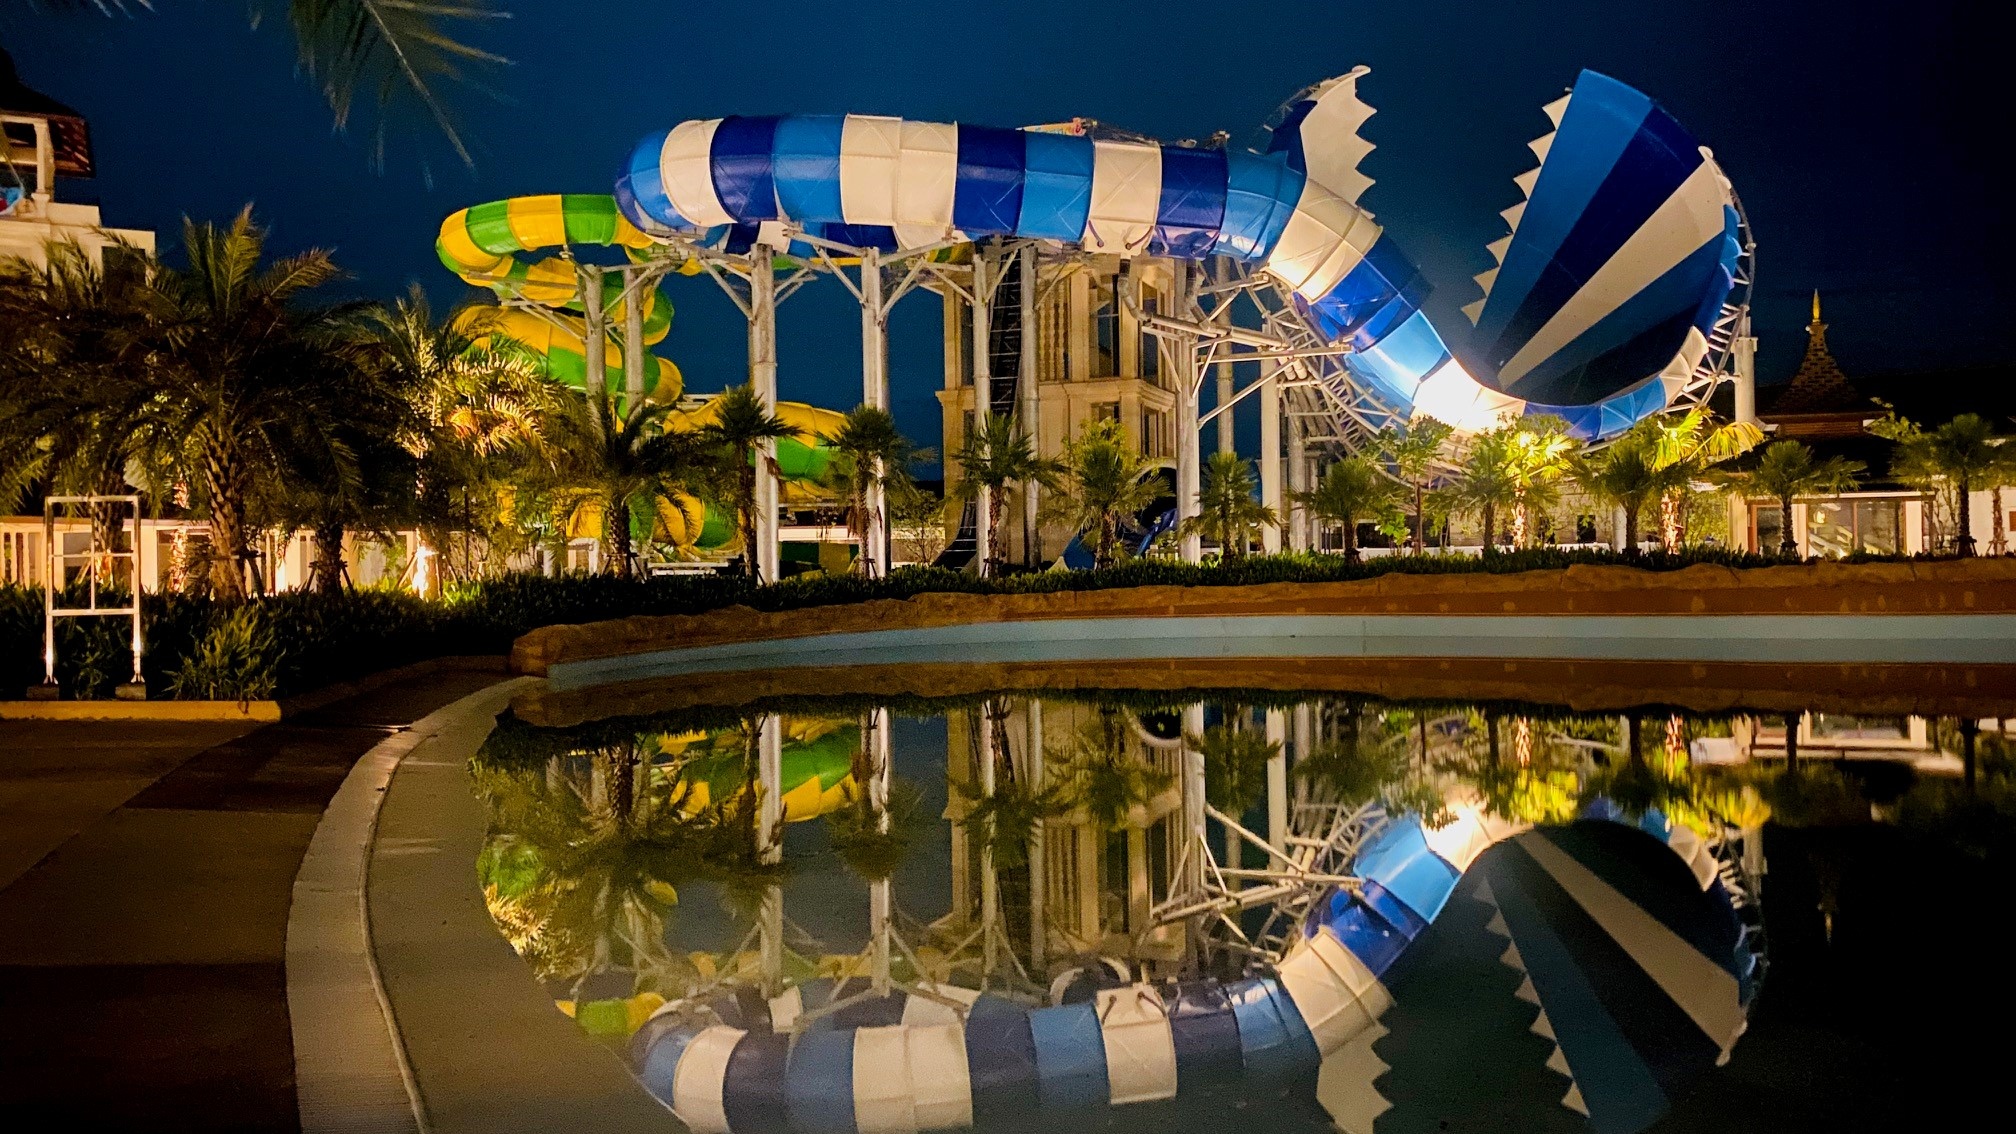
<point>1766,528</point>
<point>1154,433</point>
<point>1105,330</point>
<point>1833,726</point>
<point>1106,411</point>
<point>1113,897</point>
<point>1835,528</point>
<point>1148,344</point>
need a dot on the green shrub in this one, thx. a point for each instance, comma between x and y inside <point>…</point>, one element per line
<point>238,659</point>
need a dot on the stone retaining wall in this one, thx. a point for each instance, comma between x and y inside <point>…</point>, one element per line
<point>1982,586</point>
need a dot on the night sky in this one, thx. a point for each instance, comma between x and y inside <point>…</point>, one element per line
<point>1860,137</point>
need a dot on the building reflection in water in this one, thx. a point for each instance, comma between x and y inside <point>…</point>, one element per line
<point>1150,838</point>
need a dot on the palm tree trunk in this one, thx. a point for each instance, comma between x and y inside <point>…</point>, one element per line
<point>1964,545</point>
<point>746,489</point>
<point>1998,542</point>
<point>1351,538</point>
<point>1788,546</point>
<point>328,567</point>
<point>1420,516</point>
<point>1631,530</point>
<point>1105,556</point>
<point>618,532</point>
<point>1490,528</point>
<point>994,556</point>
<point>227,524</point>
<point>1227,550</point>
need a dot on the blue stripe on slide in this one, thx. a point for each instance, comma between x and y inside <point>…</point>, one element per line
<point>1603,116</point>
<point>660,1067</point>
<point>1273,1039</point>
<point>1056,186</point>
<point>819,1083</point>
<point>1070,1056</point>
<point>753,1091</point>
<point>1652,167</point>
<point>1399,860</point>
<point>1286,138</point>
<point>1206,1036</point>
<point>1376,928</point>
<point>1384,275</point>
<point>1658,882</point>
<point>740,164</point>
<point>1192,206</point>
<point>1001,1060</point>
<point>643,183</point>
<point>1637,338</point>
<point>805,161</point>
<point>987,199</point>
<point>1260,196</point>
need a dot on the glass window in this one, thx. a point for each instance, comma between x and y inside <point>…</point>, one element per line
<point>1106,411</point>
<point>1150,353</point>
<point>1830,528</point>
<point>1833,726</point>
<point>1767,522</point>
<point>1105,331</point>
<point>1879,526</point>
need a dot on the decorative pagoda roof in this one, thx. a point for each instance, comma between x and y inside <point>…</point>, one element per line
<point>1819,387</point>
<point>68,132</point>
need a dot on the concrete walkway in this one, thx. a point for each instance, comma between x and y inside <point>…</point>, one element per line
<point>146,873</point>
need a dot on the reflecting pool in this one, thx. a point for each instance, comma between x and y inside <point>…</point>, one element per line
<point>1033,901</point>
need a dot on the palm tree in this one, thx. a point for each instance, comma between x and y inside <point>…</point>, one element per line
<point>1542,453</point>
<point>1964,451</point>
<point>1788,471</point>
<point>1235,766</point>
<point>741,424</point>
<point>1485,481</point>
<point>73,328</point>
<point>1693,443</point>
<point>1413,453</point>
<point>1104,481</point>
<point>479,405</point>
<point>238,382</point>
<point>1353,489</point>
<point>996,455</point>
<point>619,464</point>
<point>394,51</point>
<point>1102,777</point>
<point>1627,473</point>
<point>868,448</point>
<point>1226,510</point>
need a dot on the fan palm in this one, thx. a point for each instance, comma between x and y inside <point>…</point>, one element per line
<point>1235,766</point>
<point>997,454</point>
<point>1104,481</point>
<point>1226,510</point>
<point>1413,453</point>
<point>1102,778</point>
<point>1788,471</point>
<point>742,423</point>
<point>620,464</point>
<point>868,448</point>
<point>1627,474</point>
<point>1352,490</point>
<point>1965,452</point>
<point>1485,482</point>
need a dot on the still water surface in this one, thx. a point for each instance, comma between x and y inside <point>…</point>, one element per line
<point>1491,916</point>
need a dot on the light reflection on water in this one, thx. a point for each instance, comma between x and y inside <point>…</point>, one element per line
<point>1800,863</point>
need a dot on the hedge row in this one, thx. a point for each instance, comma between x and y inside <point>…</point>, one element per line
<point>291,643</point>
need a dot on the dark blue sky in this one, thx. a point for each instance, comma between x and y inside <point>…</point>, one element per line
<point>1860,136</point>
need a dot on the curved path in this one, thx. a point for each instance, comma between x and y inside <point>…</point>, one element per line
<point>147,873</point>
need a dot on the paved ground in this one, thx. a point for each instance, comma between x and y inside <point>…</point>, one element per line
<point>145,878</point>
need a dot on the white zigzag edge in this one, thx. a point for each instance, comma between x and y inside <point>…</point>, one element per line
<point>1541,1026</point>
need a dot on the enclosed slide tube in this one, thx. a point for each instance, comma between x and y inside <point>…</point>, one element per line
<point>1600,313</point>
<point>485,245</point>
<point>953,1058</point>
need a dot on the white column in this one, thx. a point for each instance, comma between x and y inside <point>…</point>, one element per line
<point>635,293</point>
<point>1298,481</point>
<point>770,839</point>
<point>594,324</point>
<point>1270,456</point>
<point>983,393</point>
<point>881,907</point>
<point>1618,521</point>
<point>1039,920</point>
<point>763,376</point>
<point>1744,351</point>
<point>1195,846</point>
<point>1032,538</point>
<point>1189,460</point>
<point>1277,780</point>
<point>1228,434</point>
<point>990,884</point>
<point>874,393</point>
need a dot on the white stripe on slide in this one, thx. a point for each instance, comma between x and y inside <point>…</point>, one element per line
<point>927,179</point>
<point>883,1100</point>
<point>1691,217</point>
<point>1140,1049</point>
<point>942,1082</point>
<point>698,1082</point>
<point>870,148</point>
<point>1126,194</point>
<point>687,166</point>
<point>1702,989</point>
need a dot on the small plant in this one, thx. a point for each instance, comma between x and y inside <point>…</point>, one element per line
<point>238,660</point>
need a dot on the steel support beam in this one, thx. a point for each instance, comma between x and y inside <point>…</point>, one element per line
<point>874,393</point>
<point>763,378</point>
<point>1270,456</point>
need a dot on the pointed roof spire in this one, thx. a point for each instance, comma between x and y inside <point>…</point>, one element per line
<point>1819,386</point>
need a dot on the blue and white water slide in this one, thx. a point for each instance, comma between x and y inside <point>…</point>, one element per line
<point>1601,310</point>
<point>1581,927</point>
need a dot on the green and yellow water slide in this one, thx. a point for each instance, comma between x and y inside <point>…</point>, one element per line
<point>512,247</point>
